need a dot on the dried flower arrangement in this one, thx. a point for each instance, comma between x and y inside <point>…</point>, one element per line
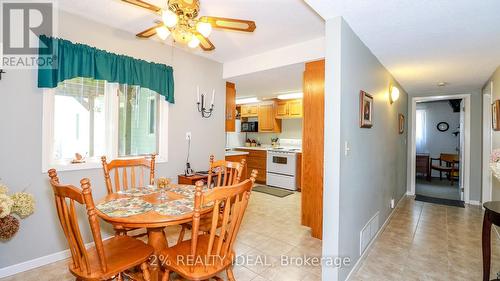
<point>495,156</point>
<point>20,203</point>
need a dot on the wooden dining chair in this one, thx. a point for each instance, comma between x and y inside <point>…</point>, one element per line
<point>224,173</point>
<point>212,252</point>
<point>122,167</point>
<point>448,164</point>
<point>107,259</point>
<point>220,173</point>
<point>137,167</point>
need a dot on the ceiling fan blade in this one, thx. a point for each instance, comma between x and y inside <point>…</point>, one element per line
<point>205,44</point>
<point>233,24</point>
<point>144,5</point>
<point>148,32</point>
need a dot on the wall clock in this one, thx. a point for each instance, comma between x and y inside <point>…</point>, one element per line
<point>443,126</point>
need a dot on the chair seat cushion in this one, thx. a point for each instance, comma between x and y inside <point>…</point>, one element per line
<point>122,252</point>
<point>178,258</point>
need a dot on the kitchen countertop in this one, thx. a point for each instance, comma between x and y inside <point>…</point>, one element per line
<point>236,153</point>
<point>265,148</point>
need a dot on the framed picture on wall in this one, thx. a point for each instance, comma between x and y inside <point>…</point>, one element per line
<point>401,123</point>
<point>365,110</point>
<point>495,115</point>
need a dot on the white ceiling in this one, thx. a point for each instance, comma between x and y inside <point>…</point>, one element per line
<point>279,22</point>
<point>270,83</point>
<point>423,42</point>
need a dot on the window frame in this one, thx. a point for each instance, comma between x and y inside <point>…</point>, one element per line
<point>111,131</point>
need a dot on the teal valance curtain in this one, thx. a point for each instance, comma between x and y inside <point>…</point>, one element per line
<point>72,60</point>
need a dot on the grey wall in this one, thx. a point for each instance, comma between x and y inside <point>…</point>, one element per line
<point>475,141</point>
<point>440,142</point>
<point>374,171</point>
<point>21,130</point>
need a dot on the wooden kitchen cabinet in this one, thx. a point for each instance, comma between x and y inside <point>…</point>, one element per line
<point>230,107</point>
<point>256,159</point>
<point>295,108</point>
<point>267,118</point>
<point>289,109</point>
<point>281,109</point>
<point>249,110</point>
<point>238,158</point>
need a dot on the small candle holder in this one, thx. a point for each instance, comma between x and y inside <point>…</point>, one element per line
<point>205,112</point>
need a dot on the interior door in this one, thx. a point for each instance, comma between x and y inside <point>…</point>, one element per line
<point>461,152</point>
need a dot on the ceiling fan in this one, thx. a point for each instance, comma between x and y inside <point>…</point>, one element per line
<point>180,19</point>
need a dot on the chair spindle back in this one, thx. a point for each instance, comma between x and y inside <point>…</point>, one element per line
<point>225,172</point>
<point>65,197</point>
<point>232,201</point>
<point>121,179</point>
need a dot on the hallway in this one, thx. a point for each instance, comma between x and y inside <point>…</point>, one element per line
<point>426,241</point>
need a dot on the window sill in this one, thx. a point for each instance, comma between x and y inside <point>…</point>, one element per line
<point>89,165</point>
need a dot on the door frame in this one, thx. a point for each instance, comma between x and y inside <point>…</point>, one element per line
<point>412,149</point>
<point>487,182</point>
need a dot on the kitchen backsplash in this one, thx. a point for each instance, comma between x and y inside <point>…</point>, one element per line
<point>290,129</point>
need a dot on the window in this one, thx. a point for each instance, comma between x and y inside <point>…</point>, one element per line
<point>420,134</point>
<point>95,118</point>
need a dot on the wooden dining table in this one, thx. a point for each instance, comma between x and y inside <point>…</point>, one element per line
<point>153,221</point>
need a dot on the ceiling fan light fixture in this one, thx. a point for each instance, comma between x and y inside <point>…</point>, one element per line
<point>194,42</point>
<point>169,18</point>
<point>162,32</point>
<point>204,28</point>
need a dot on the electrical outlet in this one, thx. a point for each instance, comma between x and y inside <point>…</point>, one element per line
<point>188,135</point>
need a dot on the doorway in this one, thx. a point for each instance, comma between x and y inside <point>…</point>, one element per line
<point>440,149</point>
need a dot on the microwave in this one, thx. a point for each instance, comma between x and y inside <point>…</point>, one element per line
<point>250,126</point>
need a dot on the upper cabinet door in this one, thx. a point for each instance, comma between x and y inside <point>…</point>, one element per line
<point>230,107</point>
<point>295,108</point>
<point>248,110</point>
<point>282,109</point>
<point>266,118</point>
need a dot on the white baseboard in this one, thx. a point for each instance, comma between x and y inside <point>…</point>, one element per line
<point>474,202</point>
<point>409,193</point>
<point>37,262</point>
<point>368,248</point>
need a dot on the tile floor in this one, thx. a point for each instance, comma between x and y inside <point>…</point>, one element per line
<point>264,236</point>
<point>422,241</point>
<point>425,241</point>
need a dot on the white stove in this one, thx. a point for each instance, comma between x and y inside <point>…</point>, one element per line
<point>282,168</point>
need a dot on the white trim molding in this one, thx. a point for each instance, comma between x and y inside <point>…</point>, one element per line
<point>412,150</point>
<point>474,202</point>
<point>40,261</point>
<point>487,180</point>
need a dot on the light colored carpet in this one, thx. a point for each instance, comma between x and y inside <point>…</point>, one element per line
<point>437,188</point>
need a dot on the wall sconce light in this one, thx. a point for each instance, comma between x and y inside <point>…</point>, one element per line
<point>205,112</point>
<point>393,94</point>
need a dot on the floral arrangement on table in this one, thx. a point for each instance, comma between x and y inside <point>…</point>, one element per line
<point>19,204</point>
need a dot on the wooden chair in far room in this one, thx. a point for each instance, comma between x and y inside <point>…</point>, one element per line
<point>106,259</point>
<point>448,164</point>
<point>213,251</point>
<point>220,173</point>
<point>138,178</point>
